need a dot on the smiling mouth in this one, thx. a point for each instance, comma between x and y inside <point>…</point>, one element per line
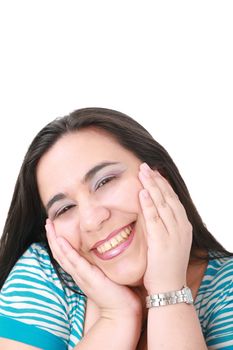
<point>116,244</point>
<point>115,241</point>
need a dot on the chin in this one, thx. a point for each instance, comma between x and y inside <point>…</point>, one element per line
<point>138,283</point>
<point>129,282</point>
<point>133,279</point>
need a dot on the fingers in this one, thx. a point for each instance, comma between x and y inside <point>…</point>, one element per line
<point>161,207</point>
<point>153,221</point>
<point>68,258</point>
<point>169,232</point>
<point>111,298</point>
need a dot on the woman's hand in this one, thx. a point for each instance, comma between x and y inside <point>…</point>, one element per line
<point>112,299</point>
<point>169,233</point>
<point>119,324</point>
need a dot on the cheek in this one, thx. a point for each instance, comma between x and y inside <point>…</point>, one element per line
<point>126,195</point>
<point>68,229</point>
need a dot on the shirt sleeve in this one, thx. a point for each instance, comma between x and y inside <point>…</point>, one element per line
<point>219,333</point>
<point>33,306</point>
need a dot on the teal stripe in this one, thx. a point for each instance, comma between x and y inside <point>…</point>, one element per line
<point>225,318</point>
<point>19,268</point>
<point>34,294</point>
<point>214,304</point>
<point>221,330</point>
<point>220,341</point>
<point>37,302</point>
<point>41,318</point>
<point>28,304</point>
<point>32,288</point>
<point>44,285</point>
<point>28,334</point>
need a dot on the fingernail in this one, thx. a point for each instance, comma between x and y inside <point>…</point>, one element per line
<point>145,169</point>
<point>145,166</point>
<point>157,172</point>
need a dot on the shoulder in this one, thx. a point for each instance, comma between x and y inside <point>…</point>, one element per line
<point>218,279</point>
<point>33,281</point>
<point>34,275</point>
<point>34,268</point>
<point>215,301</point>
<point>34,296</point>
<point>219,274</point>
<point>36,256</point>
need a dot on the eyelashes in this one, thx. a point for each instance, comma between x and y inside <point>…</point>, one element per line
<point>98,186</point>
<point>104,181</point>
<point>63,210</point>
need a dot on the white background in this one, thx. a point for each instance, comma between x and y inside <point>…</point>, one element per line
<point>168,64</point>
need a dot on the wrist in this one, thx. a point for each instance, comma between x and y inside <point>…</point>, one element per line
<point>132,313</point>
<point>182,295</point>
<point>165,287</point>
<point>120,323</point>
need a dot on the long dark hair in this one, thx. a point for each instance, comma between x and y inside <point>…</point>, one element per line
<point>26,217</point>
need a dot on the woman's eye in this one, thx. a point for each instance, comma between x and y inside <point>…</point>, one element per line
<point>63,210</point>
<point>104,182</point>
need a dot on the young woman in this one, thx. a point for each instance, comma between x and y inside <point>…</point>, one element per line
<point>103,247</point>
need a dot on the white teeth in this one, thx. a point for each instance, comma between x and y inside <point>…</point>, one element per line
<point>115,241</point>
<point>101,250</point>
<point>124,234</point>
<point>127,230</point>
<point>107,246</point>
<point>119,238</point>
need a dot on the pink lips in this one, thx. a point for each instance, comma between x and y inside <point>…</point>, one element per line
<point>118,249</point>
<point>112,234</point>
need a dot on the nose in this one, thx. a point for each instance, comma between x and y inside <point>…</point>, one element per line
<point>92,217</point>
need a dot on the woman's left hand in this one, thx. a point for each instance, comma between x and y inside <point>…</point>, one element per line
<point>168,232</point>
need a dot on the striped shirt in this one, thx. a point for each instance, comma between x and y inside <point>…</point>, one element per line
<point>214,304</point>
<point>37,309</point>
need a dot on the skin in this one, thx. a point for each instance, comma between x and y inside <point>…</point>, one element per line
<point>95,212</point>
<point>137,195</point>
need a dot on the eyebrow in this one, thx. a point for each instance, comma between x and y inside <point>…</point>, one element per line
<point>91,173</point>
<point>54,199</point>
<point>88,176</point>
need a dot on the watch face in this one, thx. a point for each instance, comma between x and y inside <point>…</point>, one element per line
<point>188,295</point>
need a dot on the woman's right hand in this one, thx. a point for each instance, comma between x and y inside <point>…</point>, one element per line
<point>114,301</point>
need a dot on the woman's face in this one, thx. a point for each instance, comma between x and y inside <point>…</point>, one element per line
<point>89,185</point>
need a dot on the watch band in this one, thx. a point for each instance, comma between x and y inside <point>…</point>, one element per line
<point>183,295</point>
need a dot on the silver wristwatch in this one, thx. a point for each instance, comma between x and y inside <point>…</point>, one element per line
<point>170,298</point>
